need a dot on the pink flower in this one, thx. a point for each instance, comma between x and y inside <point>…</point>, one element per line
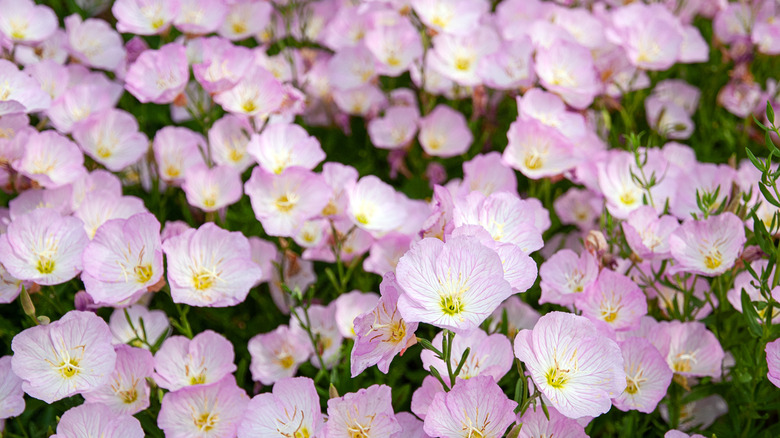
<point>474,407</point>
<point>375,206</point>
<point>102,206</point>
<point>323,326</point>
<point>210,267</point>
<point>459,17</point>
<point>351,305</point>
<point>691,351</point>
<point>222,64</point>
<point>368,412</point>
<point>361,101</point>
<point>176,150</point>
<point>648,376</point>
<point>145,327</point>
<point>444,132</point>
<point>145,17</point>
<point>745,281</point>
<point>614,299</point>
<point>205,359</point>
<point>24,21</point>
<point>43,247</point>
<point>69,356</point>
<point>773,361</point>
<point>81,101</point>
<point>537,150</point>
<point>257,93</point>
<point>650,35</point>
<point>19,91</point>
<point>200,16</point>
<point>509,67</point>
<point>567,69</point>
<point>228,139</point>
<point>212,189</point>
<point>352,67</point>
<point>283,202</point>
<point>621,190</point>
<point>699,414</point>
<point>381,333</point>
<point>565,275</point>
<point>396,129</point>
<point>123,260</point>
<point>647,234</point>
<point>245,18</point>
<point>11,392</point>
<point>519,315</point>
<point>278,354</point>
<point>490,355</point>
<point>112,139</point>
<point>51,159</point>
<point>424,395</point>
<point>706,178</point>
<point>395,46</point>
<point>204,411</point>
<point>577,368</point>
<point>385,253</point>
<point>158,76</point>
<point>454,285</point>
<point>292,409</point>
<point>127,391</point>
<point>536,424</point>
<point>579,207</point>
<point>284,145</point>
<point>708,247</point>
<point>97,420</point>
<point>486,173</point>
<point>94,42</point>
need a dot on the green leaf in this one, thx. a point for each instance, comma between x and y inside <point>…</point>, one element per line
<point>770,113</point>
<point>768,195</point>
<point>752,316</point>
<point>756,162</point>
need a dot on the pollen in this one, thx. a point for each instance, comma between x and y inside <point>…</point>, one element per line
<point>462,63</point>
<point>627,198</point>
<point>249,106</point>
<point>286,361</point>
<point>203,280</point>
<point>556,377</point>
<point>393,60</point>
<point>157,23</point>
<point>451,305</point>
<point>713,259</point>
<point>285,203</point>
<point>631,387</point>
<point>199,379</point>
<point>69,368</point>
<point>362,218</point>
<point>128,396</point>
<point>45,265</point>
<point>238,27</point>
<point>103,152</point>
<point>533,161</point>
<point>143,273</point>
<point>206,421</point>
<point>302,433</point>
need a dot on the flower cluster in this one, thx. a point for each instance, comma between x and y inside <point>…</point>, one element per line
<point>217,216</point>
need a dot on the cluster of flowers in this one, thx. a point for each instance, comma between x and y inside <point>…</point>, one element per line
<point>638,233</point>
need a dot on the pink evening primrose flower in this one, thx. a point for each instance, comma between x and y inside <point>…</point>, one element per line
<point>350,306</point>
<point>145,17</point>
<point>745,281</point>
<point>278,354</point>
<point>490,355</point>
<point>145,327</point>
<point>519,316</point>
<point>127,391</point>
<point>375,206</point>
<point>577,368</point>
<point>567,69</point>
<point>381,333</point>
<point>566,275</point>
<point>773,362</point>
<point>94,43</point>
<point>291,410</point>
<point>212,189</point>
<point>24,21</point>
<point>322,320</point>
<point>123,260</point>
<point>647,376</point>
<point>487,173</point>
<point>51,159</point>
<point>395,46</point>
<point>458,17</point>
<point>222,64</point>
<point>80,101</point>
<point>103,205</point>
<point>229,139</point>
<point>283,145</point>
<point>43,247</point>
<point>205,359</point>
<point>112,139</point>
<point>352,67</point>
<point>647,234</point>
<point>689,348</point>
<point>283,202</point>
<point>396,129</point>
<point>200,17</point>
<point>536,424</point>
<point>367,412</point>
<point>210,267</point>
<point>538,150</point>
<point>650,35</point>
<point>69,356</point>
<point>614,299</point>
<point>159,76</point>
<point>11,392</point>
<point>176,150</point>
<point>510,67</point>
<point>245,18</point>
<point>457,57</point>
<point>19,92</point>
<point>454,285</point>
<point>258,93</point>
<point>444,132</point>
<point>97,420</point>
<point>708,247</point>
<point>474,407</point>
<point>204,411</point>
<point>580,207</point>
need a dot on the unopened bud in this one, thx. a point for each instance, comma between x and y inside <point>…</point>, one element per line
<point>596,243</point>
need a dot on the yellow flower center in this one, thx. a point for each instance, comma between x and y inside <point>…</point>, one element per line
<point>69,369</point>
<point>45,265</point>
<point>199,379</point>
<point>238,27</point>
<point>533,161</point>
<point>713,259</point>
<point>206,421</point>
<point>556,377</point>
<point>451,305</point>
<point>143,273</point>
<point>128,396</point>
<point>203,280</point>
<point>249,106</point>
<point>285,203</point>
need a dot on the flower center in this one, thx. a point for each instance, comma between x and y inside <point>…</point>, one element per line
<point>45,265</point>
<point>143,273</point>
<point>451,305</point>
<point>206,421</point>
<point>556,377</point>
<point>69,368</point>
<point>285,203</point>
<point>713,259</point>
<point>203,279</point>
